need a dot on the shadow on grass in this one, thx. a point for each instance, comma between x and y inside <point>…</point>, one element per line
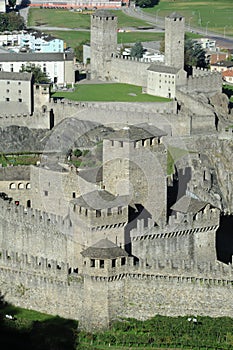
<point>54,333</point>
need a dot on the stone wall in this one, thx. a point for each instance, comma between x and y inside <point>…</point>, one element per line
<point>171,288</point>
<point>40,284</point>
<point>193,236</point>
<point>128,71</point>
<point>38,120</point>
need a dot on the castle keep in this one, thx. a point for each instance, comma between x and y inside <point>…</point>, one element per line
<point>122,239</point>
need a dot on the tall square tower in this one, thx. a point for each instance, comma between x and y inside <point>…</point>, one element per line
<point>174,41</point>
<point>103,42</point>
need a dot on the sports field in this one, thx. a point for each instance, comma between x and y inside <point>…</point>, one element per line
<point>215,15</point>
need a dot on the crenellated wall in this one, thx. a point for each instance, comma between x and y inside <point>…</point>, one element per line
<point>194,236</point>
<point>204,81</point>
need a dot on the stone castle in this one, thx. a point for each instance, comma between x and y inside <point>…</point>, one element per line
<point>123,239</point>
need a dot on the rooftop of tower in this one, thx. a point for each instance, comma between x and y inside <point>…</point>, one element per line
<point>132,133</point>
<point>103,13</point>
<point>104,249</point>
<point>175,15</point>
<point>101,199</point>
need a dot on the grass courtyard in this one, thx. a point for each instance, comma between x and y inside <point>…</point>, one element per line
<point>109,93</point>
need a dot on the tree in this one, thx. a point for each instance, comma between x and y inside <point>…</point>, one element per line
<point>146,3</point>
<point>137,50</point>
<point>79,51</point>
<point>194,54</point>
<point>77,153</point>
<point>39,76</point>
<point>11,21</point>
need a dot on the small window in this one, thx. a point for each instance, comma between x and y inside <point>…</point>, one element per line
<point>74,195</point>
<point>37,87</point>
<point>7,99</point>
<point>102,264</point>
<point>7,90</point>
<point>98,213</point>
<point>46,193</point>
<point>20,91</point>
<point>92,263</point>
<point>8,82</point>
<point>19,82</point>
<point>20,100</point>
<point>122,261</point>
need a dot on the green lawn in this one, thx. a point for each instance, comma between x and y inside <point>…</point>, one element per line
<point>58,18</point>
<point>109,93</point>
<point>18,159</point>
<point>211,14</point>
<point>73,38</point>
<point>68,19</point>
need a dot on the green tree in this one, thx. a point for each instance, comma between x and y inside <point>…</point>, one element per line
<point>11,21</point>
<point>146,3</point>
<point>39,76</point>
<point>77,152</point>
<point>79,51</point>
<point>137,50</point>
<point>194,54</point>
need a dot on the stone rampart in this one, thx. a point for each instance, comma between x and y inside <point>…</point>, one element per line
<point>185,233</point>
<point>161,114</point>
<point>41,288</point>
<point>42,234</point>
<point>136,289</point>
<point>35,121</point>
<point>203,81</point>
<point>171,288</point>
<point>128,70</point>
<point>84,110</point>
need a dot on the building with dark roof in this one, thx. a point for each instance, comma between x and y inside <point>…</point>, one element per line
<point>58,66</point>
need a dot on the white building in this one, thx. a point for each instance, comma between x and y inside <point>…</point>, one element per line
<point>59,67</point>
<point>41,42</point>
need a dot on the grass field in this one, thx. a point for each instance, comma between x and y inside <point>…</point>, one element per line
<point>68,19</point>
<point>214,15</point>
<point>73,38</point>
<point>109,93</point>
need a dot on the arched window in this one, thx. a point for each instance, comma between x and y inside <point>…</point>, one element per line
<point>12,186</point>
<point>28,186</point>
<point>20,186</point>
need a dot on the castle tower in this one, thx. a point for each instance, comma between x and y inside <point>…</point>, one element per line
<point>174,40</point>
<point>103,42</point>
<point>135,164</point>
<point>102,293</point>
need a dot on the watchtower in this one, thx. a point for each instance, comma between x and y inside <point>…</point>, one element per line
<point>135,164</point>
<point>174,40</point>
<point>103,42</point>
<point>104,265</point>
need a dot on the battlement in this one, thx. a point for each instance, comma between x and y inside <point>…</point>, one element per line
<point>34,264</point>
<point>204,81</point>
<point>178,225</point>
<point>148,108</point>
<point>133,59</point>
<point>167,269</point>
<point>102,219</point>
<point>11,212</point>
